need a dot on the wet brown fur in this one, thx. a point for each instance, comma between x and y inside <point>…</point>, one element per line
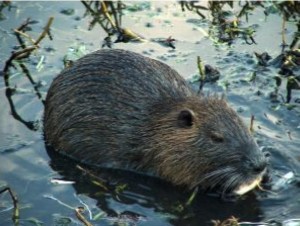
<point>119,109</point>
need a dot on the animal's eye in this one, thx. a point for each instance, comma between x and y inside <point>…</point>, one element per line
<point>216,137</point>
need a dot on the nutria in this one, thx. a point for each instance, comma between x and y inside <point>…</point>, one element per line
<point>116,108</point>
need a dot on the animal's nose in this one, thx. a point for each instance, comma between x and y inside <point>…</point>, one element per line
<point>259,163</point>
<point>259,166</point>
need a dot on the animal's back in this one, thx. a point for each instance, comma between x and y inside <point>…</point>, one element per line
<point>96,109</point>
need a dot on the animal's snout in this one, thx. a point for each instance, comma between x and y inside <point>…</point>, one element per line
<point>256,163</point>
<point>259,167</point>
<point>259,164</point>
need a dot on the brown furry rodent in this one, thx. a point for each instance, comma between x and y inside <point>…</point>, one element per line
<point>116,108</point>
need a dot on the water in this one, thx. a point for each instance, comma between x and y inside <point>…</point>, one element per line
<point>132,199</point>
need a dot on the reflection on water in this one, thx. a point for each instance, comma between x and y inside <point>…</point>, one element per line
<point>225,34</point>
<point>147,192</point>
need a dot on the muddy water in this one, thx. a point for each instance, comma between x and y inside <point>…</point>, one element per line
<point>133,199</point>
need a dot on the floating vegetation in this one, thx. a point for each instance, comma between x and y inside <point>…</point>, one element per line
<point>293,83</point>
<point>25,50</point>
<point>67,12</point>
<point>3,5</point>
<point>79,214</point>
<point>192,197</point>
<point>78,210</point>
<point>263,58</point>
<point>109,16</point>
<point>166,42</point>
<point>120,188</point>
<point>94,178</point>
<point>201,72</point>
<point>17,61</point>
<point>16,213</point>
<point>193,6</point>
<point>232,221</point>
<point>73,54</point>
<point>127,218</point>
<point>180,207</point>
<point>206,74</point>
<point>288,63</point>
<point>226,24</point>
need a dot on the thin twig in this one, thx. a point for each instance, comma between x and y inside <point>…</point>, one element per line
<point>16,214</point>
<point>29,124</point>
<point>35,85</point>
<point>80,217</point>
<point>95,15</point>
<point>100,181</point>
<point>252,123</point>
<point>16,56</point>
<point>46,31</point>
<point>192,197</point>
<point>24,25</point>
<point>201,70</point>
<point>114,13</point>
<point>283,33</point>
<point>25,35</point>
<point>21,28</point>
<point>106,14</point>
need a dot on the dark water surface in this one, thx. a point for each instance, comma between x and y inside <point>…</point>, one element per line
<point>132,199</point>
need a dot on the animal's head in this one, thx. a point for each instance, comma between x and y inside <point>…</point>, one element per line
<point>202,141</point>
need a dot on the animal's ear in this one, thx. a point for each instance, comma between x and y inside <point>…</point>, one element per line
<point>186,118</point>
